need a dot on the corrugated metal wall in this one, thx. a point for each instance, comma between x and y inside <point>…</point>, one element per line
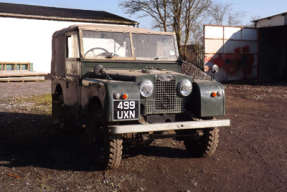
<point>234,50</point>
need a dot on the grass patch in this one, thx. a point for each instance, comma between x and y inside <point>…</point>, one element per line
<point>41,104</point>
<point>45,99</point>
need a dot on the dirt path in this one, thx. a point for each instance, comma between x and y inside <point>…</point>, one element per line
<point>252,153</point>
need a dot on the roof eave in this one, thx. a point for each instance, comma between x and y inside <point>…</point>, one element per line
<point>68,19</point>
<point>281,14</point>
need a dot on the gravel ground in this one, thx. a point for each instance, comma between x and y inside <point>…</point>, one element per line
<point>252,153</point>
<point>192,70</point>
<point>25,89</point>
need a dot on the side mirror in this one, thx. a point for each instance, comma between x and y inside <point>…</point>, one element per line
<point>98,70</point>
<point>215,69</point>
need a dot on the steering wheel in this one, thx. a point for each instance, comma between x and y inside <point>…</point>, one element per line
<point>92,50</point>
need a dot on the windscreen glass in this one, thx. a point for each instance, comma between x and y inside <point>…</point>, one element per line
<point>99,44</point>
<point>154,47</point>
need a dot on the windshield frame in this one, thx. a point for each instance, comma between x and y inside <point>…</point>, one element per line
<point>155,59</point>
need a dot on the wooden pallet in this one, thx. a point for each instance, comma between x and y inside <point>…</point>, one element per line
<point>15,65</point>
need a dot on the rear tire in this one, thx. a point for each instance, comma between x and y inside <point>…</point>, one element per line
<point>66,118</point>
<point>106,148</point>
<point>204,146</point>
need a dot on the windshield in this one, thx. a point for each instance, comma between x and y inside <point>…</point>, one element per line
<point>154,47</point>
<point>102,45</point>
<point>106,44</point>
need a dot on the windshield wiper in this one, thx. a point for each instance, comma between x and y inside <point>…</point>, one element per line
<point>110,55</point>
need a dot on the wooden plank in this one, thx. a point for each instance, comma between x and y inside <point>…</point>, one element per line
<point>20,73</point>
<point>22,79</point>
<point>13,62</point>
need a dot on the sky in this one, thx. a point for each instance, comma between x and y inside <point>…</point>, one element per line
<point>261,8</point>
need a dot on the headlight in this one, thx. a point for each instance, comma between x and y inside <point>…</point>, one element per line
<point>185,88</point>
<point>146,88</point>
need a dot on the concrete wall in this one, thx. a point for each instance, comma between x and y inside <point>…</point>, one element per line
<point>29,40</point>
<point>273,54</point>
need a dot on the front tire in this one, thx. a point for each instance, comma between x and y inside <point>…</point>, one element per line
<point>203,146</point>
<point>106,148</point>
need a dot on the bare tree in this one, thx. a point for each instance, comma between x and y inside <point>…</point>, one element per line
<point>192,10</point>
<point>223,13</point>
<point>252,19</point>
<point>170,15</point>
<point>157,9</point>
<point>196,51</point>
<point>255,17</point>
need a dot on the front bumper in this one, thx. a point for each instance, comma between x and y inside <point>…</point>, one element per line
<point>120,129</point>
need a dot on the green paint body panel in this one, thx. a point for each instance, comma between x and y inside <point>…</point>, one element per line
<point>203,104</point>
<point>129,88</point>
<point>87,67</point>
<point>200,102</point>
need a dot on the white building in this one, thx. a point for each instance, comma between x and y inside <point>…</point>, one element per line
<point>271,21</point>
<point>26,30</point>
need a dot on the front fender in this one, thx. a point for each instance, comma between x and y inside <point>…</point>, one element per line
<point>203,104</point>
<point>129,88</point>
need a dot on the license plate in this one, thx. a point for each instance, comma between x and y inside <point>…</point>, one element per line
<point>126,110</point>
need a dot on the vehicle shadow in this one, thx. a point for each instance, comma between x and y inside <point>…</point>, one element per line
<point>157,151</point>
<point>34,140</point>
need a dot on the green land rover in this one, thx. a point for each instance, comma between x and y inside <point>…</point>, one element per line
<point>123,84</point>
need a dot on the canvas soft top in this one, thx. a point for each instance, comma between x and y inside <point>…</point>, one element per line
<point>111,28</point>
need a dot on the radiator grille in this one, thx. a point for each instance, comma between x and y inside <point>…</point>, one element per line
<point>165,100</point>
